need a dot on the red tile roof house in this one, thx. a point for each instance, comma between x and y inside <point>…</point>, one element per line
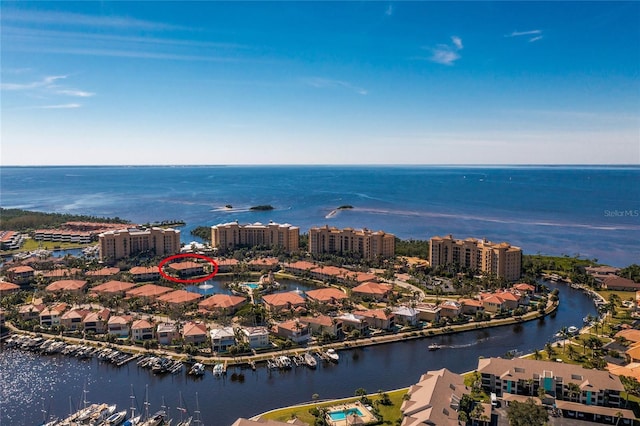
<point>67,286</point>
<point>194,333</point>
<point>471,306</point>
<point>378,318</point>
<point>51,316</point>
<point>323,323</point>
<point>61,273</point>
<point>226,265</point>
<point>72,320</point>
<point>30,312</point>
<point>145,273</point>
<point>142,330</point>
<point>524,288</point>
<point>265,263</point>
<point>21,274</point>
<point>225,304</point>
<point>113,288</point>
<point>119,325</point>
<point>148,292</point>
<point>450,309</point>
<point>293,330</point>
<point>360,277</point>
<point>615,282</point>
<point>7,288</point>
<point>179,297</point>
<point>167,333</point>
<point>372,291</point>
<point>102,273</point>
<point>511,300</point>
<point>329,273</point>
<point>493,303</point>
<point>329,295</point>
<point>300,267</point>
<point>280,301</point>
<point>96,322</point>
<point>185,269</point>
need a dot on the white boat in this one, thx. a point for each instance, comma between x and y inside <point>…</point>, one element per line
<point>434,347</point>
<point>283,362</point>
<point>572,330</point>
<point>197,369</point>
<point>310,360</point>
<point>116,418</point>
<point>133,421</point>
<point>156,419</point>
<point>333,355</point>
<point>218,370</point>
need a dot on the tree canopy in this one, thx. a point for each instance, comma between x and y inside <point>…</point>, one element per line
<point>526,414</point>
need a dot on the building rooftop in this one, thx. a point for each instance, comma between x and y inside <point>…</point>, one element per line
<point>373,288</point>
<point>104,272</point>
<point>327,295</point>
<point>67,285</point>
<point>179,297</point>
<point>283,299</point>
<point>148,290</point>
<point>113,287</point>
<point>221,301</point>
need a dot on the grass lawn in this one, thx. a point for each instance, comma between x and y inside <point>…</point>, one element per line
<point>623,295</point>
<point>31,244</point>
<point>389,413</point>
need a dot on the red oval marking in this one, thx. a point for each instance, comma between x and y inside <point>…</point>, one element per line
<point>182,256</point>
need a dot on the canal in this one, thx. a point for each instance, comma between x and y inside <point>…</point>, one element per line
<point>34,386</point>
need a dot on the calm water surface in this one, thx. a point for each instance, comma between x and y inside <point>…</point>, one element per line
<point>30,384</point>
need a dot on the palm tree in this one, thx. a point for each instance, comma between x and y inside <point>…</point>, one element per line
<point>549,350</point>
<point>573,391</point>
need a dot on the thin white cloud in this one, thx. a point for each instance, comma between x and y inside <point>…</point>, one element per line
<point>389,10</point>
<point>59,106</point>
<point>75,92</point>
<point>537,35</point>
<point>325,83</point>
<point>44,82</point>
<point>447,54</point>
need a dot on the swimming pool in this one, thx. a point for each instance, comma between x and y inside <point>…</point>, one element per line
<point>342,414</point>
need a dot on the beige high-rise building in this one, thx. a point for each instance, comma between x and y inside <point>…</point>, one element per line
<point>229,235</point>
<point>502,259</point>
<point>121,243</point>
<point>367,243</point>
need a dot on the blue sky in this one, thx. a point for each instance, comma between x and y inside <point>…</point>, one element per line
<point>320,83</point>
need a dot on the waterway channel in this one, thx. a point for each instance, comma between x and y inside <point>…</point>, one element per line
<point>34,386</point>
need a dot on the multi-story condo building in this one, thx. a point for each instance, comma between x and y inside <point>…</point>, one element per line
<point>367,243</point>
<point>229,235</point>
<point>500,259</point>
<point>115,245</point>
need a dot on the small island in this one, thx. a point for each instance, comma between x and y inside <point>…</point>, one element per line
<point>345,207</point>
<point>228,206</point>
<point>262,207</point>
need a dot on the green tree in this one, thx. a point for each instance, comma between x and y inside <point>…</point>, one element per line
<point>526,414</point>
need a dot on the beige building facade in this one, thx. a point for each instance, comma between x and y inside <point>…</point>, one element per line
<point>229,235</point>
<point>501,259</point>
<point>123,243</point>
<point>367,243</point>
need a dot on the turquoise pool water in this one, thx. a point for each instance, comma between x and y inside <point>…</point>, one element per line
<point>252,286</point>
<point>341,415</point>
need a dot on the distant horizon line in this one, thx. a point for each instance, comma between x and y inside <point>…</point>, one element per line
<point>453,165</point>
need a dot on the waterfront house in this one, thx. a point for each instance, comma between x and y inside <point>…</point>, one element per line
<point>378,318</point>
<point>471,306</point>
<point>434,400</point>
<point>601,272</point>
<point>525,288</point>
<point>179,297</point>
<point>194,332</point>
<point>97,321</point>
<point>120,325</point>
<point>226,265</point>
<point>511,299</point>
<point>428,312</point>
<point>329,273</point>
<point>301,267</point>
<point>50,316</point>
<point>113,288</point>
<point>67,286</point>
<point>294,330</point>
<point>615,282</point>
<point>72,320</point>
<point>405,315</point>
<point>323,324</point>
<point>224,304</point>
<point>166,333</point>
<point>222,338</point>
<point>372,291</point>
<point>450,309</point>
<point>264,264</point>
<point>281,301</point>
<point>256,337</point>
<point>7,288</point>
<point>30,312</point>
<point>329,295</point>
<point>493,303</point>
<point>21,274</point>
<point>186,269</point>
<point>574,388</point>
<point>142,330</point>
<point>353,321</point>
<point>145,273</point>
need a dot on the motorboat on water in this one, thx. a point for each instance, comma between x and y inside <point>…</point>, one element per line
<point>434,347</point>
<point>310,360</point>
<point>115,418</point>
<point>156,419</point>
<point>197,369</point>
<point>333,355</point>
<point>218,370</point>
